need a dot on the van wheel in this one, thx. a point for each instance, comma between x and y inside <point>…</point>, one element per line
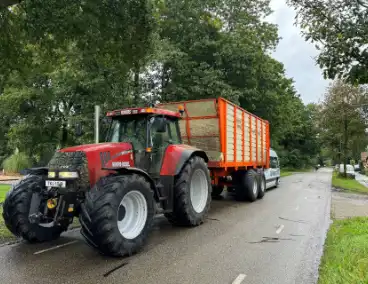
<point>277,183</point>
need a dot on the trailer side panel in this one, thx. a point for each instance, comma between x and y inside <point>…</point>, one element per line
<point>231,136</point>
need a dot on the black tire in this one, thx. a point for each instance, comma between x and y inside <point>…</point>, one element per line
<point>245,185</point>
<point>16,209</point>
<point>277,183</point>
<point>183,213</point>
<point>99,216</point>
<point>261,186</point>
<point>217,190</point>
<point>230,189</point>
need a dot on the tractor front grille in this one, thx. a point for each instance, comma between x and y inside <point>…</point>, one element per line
<point>72,161</point>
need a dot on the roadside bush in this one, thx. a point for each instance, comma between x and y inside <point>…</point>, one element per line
<point>17,162</point>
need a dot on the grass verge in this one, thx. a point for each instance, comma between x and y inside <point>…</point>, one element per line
<point>348,184</point>
<point>345,254</point>
<point>288,171</point>
<point>284,173</point>
<point>3,190</point>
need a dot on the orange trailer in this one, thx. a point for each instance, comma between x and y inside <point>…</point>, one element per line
<point>234,139</point>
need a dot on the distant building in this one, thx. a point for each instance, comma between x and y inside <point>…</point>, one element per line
<point>363,158</point>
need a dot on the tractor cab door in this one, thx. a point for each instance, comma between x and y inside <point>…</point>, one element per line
<point>162,134</point>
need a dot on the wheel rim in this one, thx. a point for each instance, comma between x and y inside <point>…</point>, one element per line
<point>255,187</point>
<point>198,191</point>
<point>132,214</point>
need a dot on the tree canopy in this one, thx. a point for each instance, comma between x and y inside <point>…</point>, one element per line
<point>339,29</point>
<point>60,58</point>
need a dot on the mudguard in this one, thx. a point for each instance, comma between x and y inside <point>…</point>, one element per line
<point>176,156</point>
<point>124,170</point>
<point>36,171</point>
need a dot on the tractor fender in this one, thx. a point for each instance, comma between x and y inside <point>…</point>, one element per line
<point>128,170</point>
<point>41,171</point>
<point>176,156</point>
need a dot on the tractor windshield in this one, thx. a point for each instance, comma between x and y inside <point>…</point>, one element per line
<point>130,129</point>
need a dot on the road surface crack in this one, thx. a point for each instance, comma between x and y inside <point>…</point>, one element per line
<point>114,269</point>
<point>213,219</point>
<point>296,221</point>
<point>271,240</point>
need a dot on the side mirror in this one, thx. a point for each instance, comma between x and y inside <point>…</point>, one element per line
<point>160,124</point>
<point>78,129</point>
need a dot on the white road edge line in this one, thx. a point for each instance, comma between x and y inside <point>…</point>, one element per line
<point>239,279</point>
<point>54,248</point>
<point>279,230</point>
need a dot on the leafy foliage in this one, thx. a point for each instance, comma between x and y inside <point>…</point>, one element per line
<point>63,57</point>
<point>339,29</point>
<point>17,162</point>
<point>343,121</point>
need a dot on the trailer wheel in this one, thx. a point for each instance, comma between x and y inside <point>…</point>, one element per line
<point>192,193</point>
<point>262,186</point>
<point>16,213</point>
<point>246,187</point>
<point>118,214</point>
<point>217,190</point>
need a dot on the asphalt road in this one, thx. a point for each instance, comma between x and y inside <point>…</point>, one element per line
<point>278,239</point>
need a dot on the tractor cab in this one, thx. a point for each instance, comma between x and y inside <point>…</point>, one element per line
<point>149,130</point>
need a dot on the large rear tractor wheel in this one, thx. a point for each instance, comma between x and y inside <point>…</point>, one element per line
<point>16,209</point>
<point>117,215</point>
<point>192,193</point>
<point>247,186</point>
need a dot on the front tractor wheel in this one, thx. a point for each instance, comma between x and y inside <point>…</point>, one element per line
<point>16,210</point>
<point>192,193</point>
<point>118,214</point>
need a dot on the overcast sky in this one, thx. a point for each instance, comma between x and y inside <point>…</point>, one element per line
<point>297,55</point>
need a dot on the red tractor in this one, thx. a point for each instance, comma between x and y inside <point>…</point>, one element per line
<point>116,187</point>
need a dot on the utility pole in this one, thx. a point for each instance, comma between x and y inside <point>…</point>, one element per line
<point>97,124</point>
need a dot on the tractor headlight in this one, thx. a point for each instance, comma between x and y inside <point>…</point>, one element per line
<point>51,175</point>
<point>68,175</point>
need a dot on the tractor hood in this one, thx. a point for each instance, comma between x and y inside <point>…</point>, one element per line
<point>93,160</point>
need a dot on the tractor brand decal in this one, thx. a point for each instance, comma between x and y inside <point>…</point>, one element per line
<point>105,157</point>
<point>121,153</point>
<point>120,164</point>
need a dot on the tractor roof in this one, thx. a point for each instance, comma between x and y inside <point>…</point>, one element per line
<point>143,110</point>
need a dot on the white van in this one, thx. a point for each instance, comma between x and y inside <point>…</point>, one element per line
<point>272,174</point>
<point>349,170</point>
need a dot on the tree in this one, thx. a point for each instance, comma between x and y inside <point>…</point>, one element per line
<point>70,55</point>
<point>343,122</point>
<point>339,29</point>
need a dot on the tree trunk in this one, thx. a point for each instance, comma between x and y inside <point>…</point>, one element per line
<point>164,83</point>
<point>136,90</point>
<point>345,143</point>
<point>64,135</point>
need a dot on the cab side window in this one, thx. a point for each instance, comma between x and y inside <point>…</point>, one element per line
<point>173,131</point>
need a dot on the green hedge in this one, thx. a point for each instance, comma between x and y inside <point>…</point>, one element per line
<point>17,162</point>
